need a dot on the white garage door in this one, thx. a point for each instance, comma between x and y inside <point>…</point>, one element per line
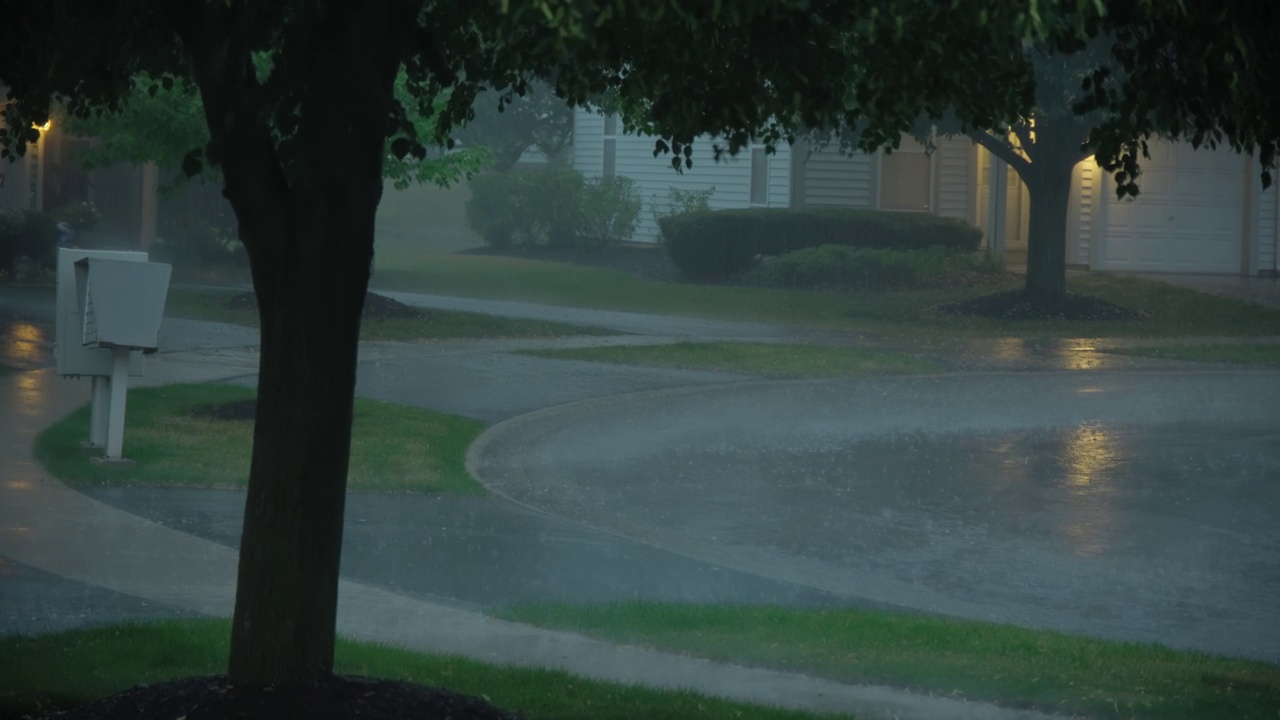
<point>1188,216</point>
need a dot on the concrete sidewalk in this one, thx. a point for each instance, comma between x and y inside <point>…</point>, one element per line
<point>45,525</point>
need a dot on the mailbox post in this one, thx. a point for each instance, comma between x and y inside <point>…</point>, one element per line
<point>74,359</point>
<point>120,304</point>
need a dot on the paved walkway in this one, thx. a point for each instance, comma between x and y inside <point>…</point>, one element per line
<point>94,552</point>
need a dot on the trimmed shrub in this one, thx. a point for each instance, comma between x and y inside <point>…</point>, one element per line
<point>28,234</point>
<point>492,209</point>
<point>550,204</point>
<point>838,267</point>
<point>727,243</point>
<point>610,212</point>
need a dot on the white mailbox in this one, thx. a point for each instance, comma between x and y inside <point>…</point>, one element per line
<point>72,357</point>
<point>110,305</point>
<point>121,303</point>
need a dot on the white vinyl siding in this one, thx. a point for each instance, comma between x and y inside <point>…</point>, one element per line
<point>1268,228</point>
<point>654,176</point>
<point>832,179</point>
<point>759,192</point>
<point>954,196</point>
<point>609,160</point>
<point>588,143</point>
<point>1081,211</point>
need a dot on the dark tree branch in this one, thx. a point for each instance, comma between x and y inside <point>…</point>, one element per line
<point>1024,139</point>
<point>1001,149</point>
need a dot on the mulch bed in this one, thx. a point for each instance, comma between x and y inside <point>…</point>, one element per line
<point>1017,305</point>
<point>338,698</point>
<point>376,307</point>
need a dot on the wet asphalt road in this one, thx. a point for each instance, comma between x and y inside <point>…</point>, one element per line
<point>1136,506</point>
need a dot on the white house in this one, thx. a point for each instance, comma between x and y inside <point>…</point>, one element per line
<point>1199,211</point>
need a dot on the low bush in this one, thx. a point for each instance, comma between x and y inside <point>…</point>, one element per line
<point>553,206</point>
<point>680,202</point>
<point>840,267</point>
<point>723,244</point>
<point>27,234</point>
<point>492,210</point>
<point>610,212</point>
<point>836,267</point>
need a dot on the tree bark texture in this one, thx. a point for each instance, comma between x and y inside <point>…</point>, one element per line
<point>1054,155</point>
<point>1053,148</point>
<point>306,208</point>
<point>1047,237</point>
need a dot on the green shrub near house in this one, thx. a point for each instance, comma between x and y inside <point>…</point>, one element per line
<point>710,246</point>
<point>552,206</point>
<point>841,267</point>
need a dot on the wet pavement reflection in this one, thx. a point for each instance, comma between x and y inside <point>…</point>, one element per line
<point>24,345</point>
<point>1139,507</point>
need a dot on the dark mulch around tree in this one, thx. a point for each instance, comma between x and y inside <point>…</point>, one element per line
<point>376,307</point>
<point>234,410</point>
<point>338,698</point>
<point>1017,305</point>
<point>647,261</point>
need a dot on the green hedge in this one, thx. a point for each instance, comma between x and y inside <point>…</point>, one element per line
<point>727,243</point>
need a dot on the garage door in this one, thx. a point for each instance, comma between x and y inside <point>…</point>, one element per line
<point>1187,218</point>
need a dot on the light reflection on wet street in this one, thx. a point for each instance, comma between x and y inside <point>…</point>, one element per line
<point>1133,506</point>
<point>24,345</point>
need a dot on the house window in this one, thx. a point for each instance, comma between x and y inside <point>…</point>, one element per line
<point>759,177</point>
<point>906,180</point>
<point>610,146</point>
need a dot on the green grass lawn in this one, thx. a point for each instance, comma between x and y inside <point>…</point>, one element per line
<point>751,358</point>
<point>1243,354</point>
<point>210,304</point>
<point>393,448</point>
<point>1172,311</point>
<point>63,670</point>
<point>979,661</point>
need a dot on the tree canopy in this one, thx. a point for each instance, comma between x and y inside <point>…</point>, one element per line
<point>304,100</point>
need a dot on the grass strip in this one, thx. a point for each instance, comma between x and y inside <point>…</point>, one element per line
<point>1171,311</point>
<point>981,661</point>
<point>1243,354</point>
<point>64,670</point>
<point>751,358</point>
<point>211,304</point>
<point>393,448</point>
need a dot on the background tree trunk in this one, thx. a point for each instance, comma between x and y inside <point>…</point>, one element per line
<point>1050,191</point>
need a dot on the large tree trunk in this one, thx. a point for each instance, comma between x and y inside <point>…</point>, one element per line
<point>1054,155</point>
<point>1047,234</point>
<point>287,589</point>
<point>305,204</point>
